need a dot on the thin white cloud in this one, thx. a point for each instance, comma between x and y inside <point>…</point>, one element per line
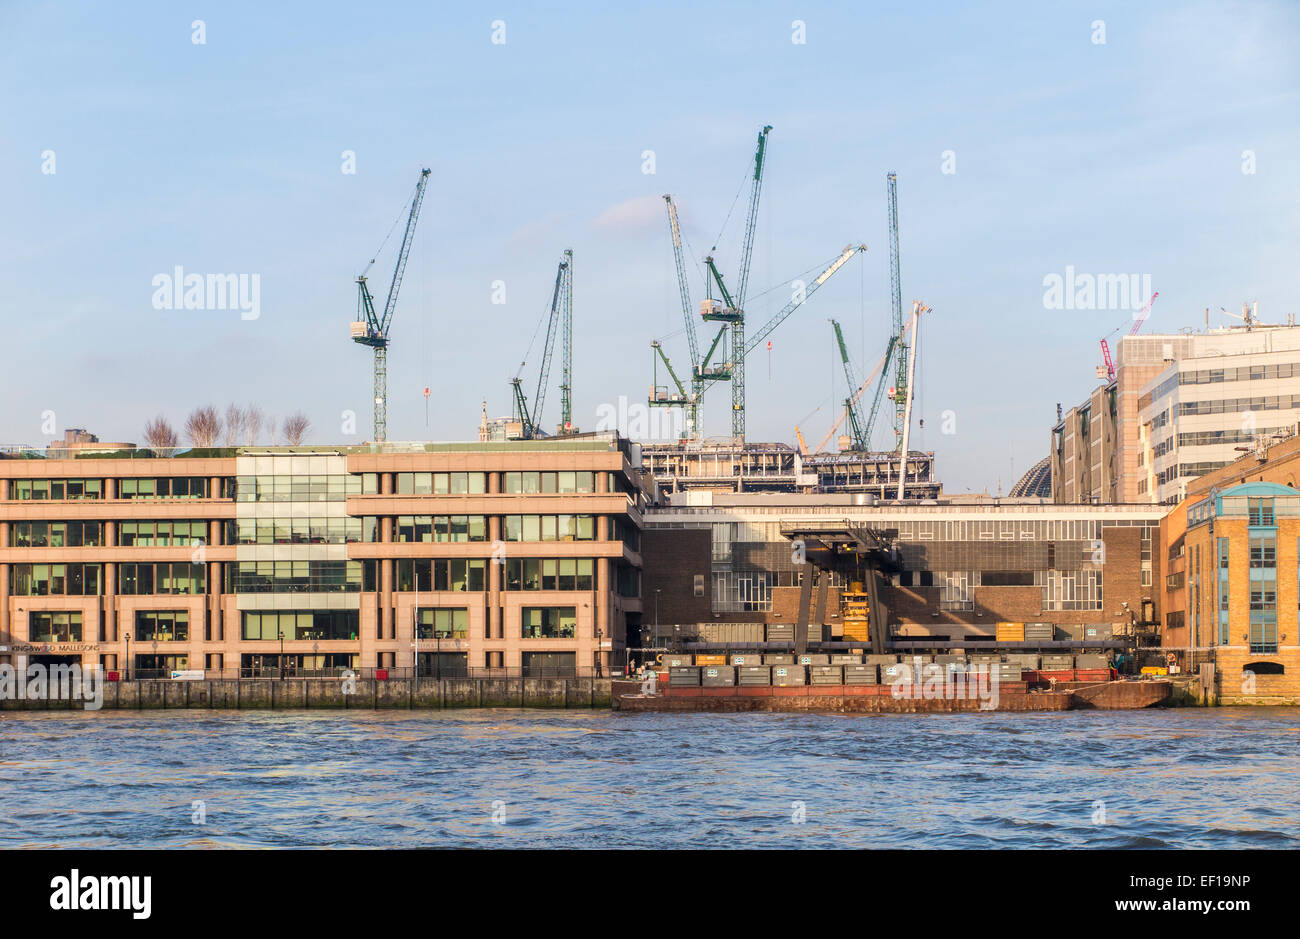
<point>637,214</point>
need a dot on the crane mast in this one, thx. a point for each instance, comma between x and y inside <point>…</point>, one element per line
<point>371,330</point>
<point>896,298</point>
<point>856,422</point>
<point>558,321</point>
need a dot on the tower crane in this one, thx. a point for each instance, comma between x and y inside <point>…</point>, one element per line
<point>560,320</point>
<point>1107,371</point>
<point>879,373</point>
<point>730,343</point>
<point>372,330</point>
<point>899,392</point>
<point>688,401</point>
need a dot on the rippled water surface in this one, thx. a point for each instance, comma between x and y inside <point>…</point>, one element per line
<point>1191,778</point>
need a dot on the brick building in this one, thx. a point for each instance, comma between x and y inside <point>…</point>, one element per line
<point>1230,559</point>
<point>718,559</point>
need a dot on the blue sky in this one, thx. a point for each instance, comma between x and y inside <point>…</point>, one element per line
<point>1122,157</point>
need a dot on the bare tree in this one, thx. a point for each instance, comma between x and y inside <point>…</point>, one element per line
<point>254,423</point>
<point>295,428</point>
<point>203,426</point>
<point>159,434</point>
<point>236,418</point>
<point>273,430</point>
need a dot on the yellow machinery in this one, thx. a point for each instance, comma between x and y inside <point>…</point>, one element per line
<point>855,613</point>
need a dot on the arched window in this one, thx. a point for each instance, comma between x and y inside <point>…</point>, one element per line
<point>1265,668</point>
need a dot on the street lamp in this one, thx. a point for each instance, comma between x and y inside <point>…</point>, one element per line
<point>281,654</point>
<point>657,591</point>
<point>128,656</point>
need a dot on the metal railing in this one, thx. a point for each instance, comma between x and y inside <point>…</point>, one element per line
<point>390,674</point>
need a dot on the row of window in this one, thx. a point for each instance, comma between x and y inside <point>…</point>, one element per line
<point>431,528</point>
<point>294,577</point>
<point>442,574</point>
<point>55,580</point>
<point>550,574</point>
<point>151,487</point>
<point>302,624</point>
<point>1235,405</point>
<point>549,528</point>
<point>427,484</point>
<point>57,534</point>
<point>161,533</point>
<point>297,488</point>
<point>161,577</point>
<point>57,489</point>
<point>302,530</point>
<point>562,482</point>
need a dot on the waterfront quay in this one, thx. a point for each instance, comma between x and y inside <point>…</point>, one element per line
<point>333,693</point>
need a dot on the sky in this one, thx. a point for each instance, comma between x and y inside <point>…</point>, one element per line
<point>1023,145</point>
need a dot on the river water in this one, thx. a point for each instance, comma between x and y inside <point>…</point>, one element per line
<point>1200,778</point>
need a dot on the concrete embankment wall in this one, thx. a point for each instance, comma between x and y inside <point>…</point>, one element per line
<point>321,694</point>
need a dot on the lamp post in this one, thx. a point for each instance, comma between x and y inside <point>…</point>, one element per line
<point>128,656</point>
<point>657,618</point>
<point>281,654</point>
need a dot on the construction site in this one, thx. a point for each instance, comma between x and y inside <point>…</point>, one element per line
<point>844,460</point>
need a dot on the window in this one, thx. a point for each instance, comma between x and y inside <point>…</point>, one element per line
<point>554,622</point>
<point>51,626</point>
<point>1261,512</point>
<point>444,623</point>
<point>1263,551</point>
<point>162,625</point>
<point>1263,632</point>
<point>1223,592</point>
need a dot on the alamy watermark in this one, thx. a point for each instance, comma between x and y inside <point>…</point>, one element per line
<point>638,421</point>
<point>181,291</point>
<point>1073,291</point>
<point>934,682</point>
<point>37,682</point>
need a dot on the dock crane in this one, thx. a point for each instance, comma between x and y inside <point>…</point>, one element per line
<point>560,320</point>
<point>372,330</point>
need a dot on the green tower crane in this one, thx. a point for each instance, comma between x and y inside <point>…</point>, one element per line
<point>370,329</point>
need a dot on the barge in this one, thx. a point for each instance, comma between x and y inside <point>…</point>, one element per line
<point>884,684</point>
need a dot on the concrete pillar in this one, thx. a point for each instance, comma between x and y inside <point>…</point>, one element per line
<point>493,628</point>
<point>386,566</point>
<point>109,626</point>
